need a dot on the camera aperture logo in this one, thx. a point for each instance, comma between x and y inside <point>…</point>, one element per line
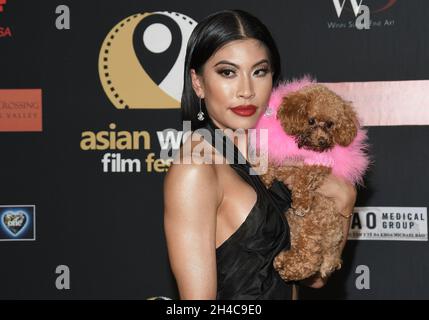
<point>17,222</point>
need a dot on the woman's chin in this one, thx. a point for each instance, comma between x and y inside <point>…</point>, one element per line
<point>245,124</point>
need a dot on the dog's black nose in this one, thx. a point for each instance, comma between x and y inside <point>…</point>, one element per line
<point>323,142</point>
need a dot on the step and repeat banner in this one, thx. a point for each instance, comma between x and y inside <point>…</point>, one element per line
<point>90,94</point>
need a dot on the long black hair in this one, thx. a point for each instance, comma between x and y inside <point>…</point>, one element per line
<point>211,34</point>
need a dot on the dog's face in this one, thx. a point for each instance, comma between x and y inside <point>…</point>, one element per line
<point>318,118</point>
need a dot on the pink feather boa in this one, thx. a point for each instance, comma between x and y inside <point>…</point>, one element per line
<point>348,162</point>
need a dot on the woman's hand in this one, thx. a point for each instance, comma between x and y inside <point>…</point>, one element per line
<point>315,281</point>
<point>341,191</point>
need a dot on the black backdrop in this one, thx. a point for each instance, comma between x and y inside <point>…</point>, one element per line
<point>107,227</point>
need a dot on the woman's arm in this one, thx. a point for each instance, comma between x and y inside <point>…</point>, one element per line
<point>344,195</point>
<point>191,198</point>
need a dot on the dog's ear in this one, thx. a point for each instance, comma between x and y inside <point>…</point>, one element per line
<point>292,112</point>
<point>346,126</point>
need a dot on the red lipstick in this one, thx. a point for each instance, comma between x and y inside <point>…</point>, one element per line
<point>244,110</point>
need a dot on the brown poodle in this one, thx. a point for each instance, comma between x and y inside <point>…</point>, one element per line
<point>318,119</point>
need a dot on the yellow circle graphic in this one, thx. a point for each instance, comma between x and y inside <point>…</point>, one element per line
<point>141,60</point>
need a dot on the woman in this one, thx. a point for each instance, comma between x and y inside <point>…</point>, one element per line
<point>223,227</point>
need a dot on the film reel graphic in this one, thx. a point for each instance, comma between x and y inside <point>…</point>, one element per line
<point>141,60</point>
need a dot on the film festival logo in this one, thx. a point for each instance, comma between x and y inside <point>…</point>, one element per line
<point>17,222</point>
<point>140,67</point>
<point>5,31</point>
<point>362,14</point>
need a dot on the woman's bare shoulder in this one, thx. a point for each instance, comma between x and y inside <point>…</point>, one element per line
<point>192,173</point>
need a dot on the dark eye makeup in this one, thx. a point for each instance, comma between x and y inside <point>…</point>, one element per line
<point>228,72</point>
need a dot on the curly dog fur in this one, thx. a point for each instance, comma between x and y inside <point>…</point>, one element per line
<point>318,120</point>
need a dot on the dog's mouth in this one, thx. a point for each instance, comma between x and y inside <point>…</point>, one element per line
<point>305,142</point>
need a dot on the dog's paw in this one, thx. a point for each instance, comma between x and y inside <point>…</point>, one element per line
<point>279,262</point>
<point>284,275</point>
<point>327,270</point>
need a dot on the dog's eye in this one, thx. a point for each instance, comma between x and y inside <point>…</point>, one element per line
<point>329,124</point>
<point>311,121</point>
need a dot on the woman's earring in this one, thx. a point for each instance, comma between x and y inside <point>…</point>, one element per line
<point>200,115</point>
<point>268,112</point>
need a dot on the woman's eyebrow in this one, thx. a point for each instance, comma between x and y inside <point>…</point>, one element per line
<point>236,66</point>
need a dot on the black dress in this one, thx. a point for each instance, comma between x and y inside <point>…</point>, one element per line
<point>245,260</point>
